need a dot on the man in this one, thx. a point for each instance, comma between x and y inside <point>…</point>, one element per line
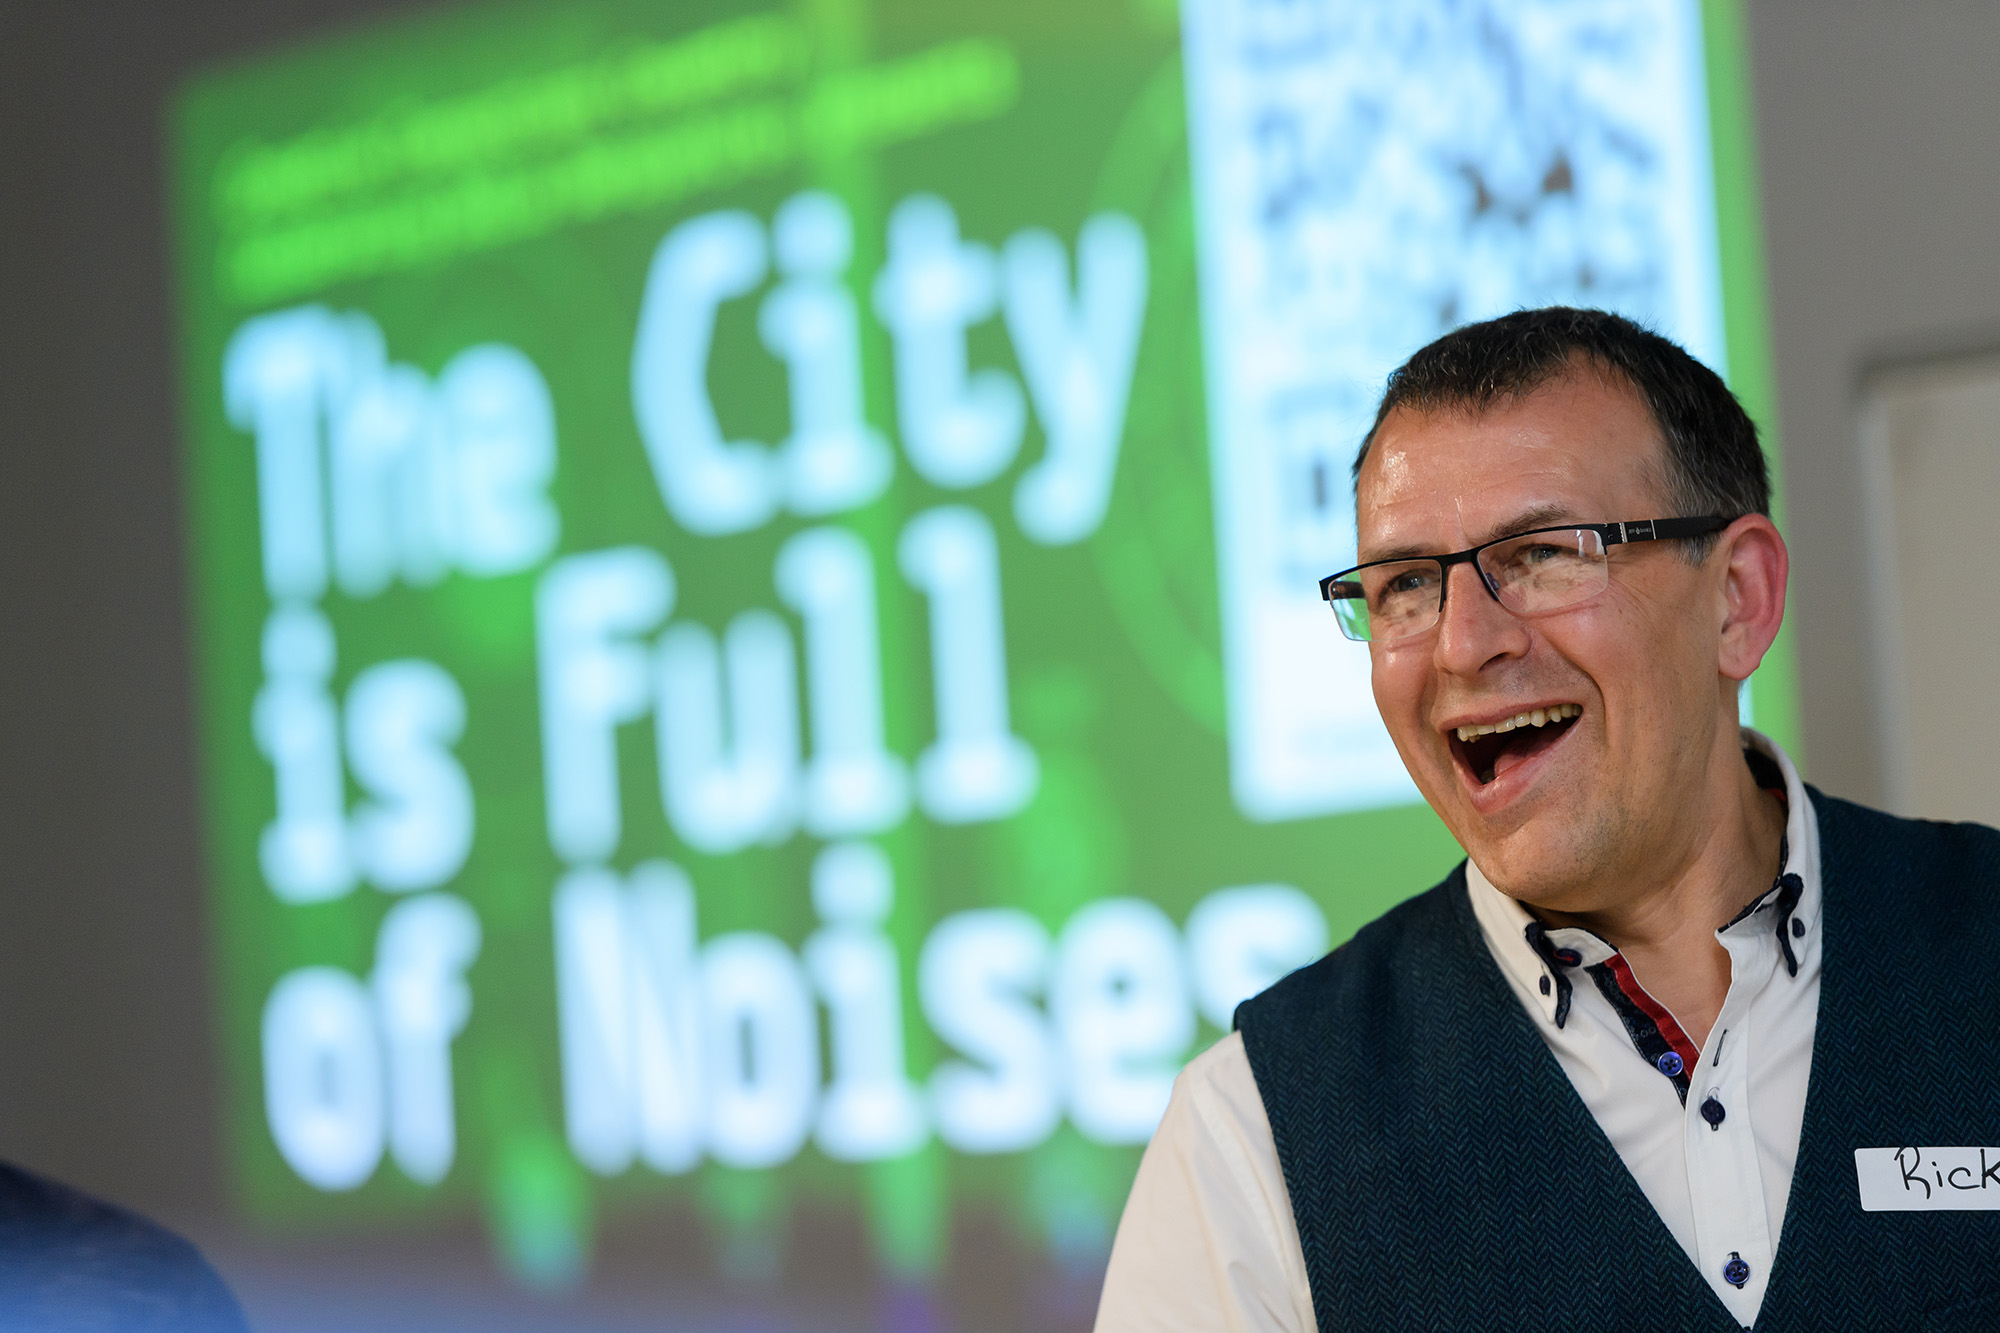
<point>1630,1065</point>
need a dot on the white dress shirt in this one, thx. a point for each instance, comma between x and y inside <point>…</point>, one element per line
<point>1208,1240</point>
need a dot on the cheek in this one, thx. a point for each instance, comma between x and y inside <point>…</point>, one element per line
<point>1643,666</point>
<point>1398,678</point>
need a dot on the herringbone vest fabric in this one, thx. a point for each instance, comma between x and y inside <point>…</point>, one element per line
<point>1445,1175</point>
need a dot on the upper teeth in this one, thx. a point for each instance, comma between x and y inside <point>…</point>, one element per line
<point>1539,717</point>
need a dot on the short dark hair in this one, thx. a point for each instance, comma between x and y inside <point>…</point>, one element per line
<point>1713,462</point>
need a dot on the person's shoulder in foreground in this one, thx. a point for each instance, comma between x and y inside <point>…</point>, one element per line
<point>71,1262</point>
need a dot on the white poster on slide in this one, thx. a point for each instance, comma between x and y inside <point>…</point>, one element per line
<point>1369,174</point>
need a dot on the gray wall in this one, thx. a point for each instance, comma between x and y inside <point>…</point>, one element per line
<point>107,1066</point>
<point>1880,132</point>
<point>1882,177</point>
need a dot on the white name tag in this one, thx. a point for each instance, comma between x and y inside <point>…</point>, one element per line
<point>1921,1180</point>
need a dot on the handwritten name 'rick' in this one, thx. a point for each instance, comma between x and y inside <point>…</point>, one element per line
<point>1913,1179</point>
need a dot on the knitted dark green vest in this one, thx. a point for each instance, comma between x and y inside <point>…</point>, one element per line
<point>1445,1175</point>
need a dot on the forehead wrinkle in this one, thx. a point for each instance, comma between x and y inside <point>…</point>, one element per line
<point>1541,515</point>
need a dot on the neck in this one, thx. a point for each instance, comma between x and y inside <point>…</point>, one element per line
<point>1666,930</point>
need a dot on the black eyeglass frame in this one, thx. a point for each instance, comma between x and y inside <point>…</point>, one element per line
<point>1610,534</point>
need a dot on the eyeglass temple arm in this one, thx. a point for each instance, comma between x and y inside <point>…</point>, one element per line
<point>1662,529</point>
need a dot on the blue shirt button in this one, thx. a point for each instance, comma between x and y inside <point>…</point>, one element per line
<point>1712,1112</point>
<point>1798,929</point>
<point>1670,1064</point>
<point>1736,1272</point>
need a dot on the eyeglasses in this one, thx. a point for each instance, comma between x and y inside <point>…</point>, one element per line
<point>1528,573</point>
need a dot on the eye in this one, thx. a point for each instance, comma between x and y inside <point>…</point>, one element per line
<point>1411,580</point>
<point>1541,553</point>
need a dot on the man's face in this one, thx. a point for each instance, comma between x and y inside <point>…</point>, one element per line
<point>1550,813</point>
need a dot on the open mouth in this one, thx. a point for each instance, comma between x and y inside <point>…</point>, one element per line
<point>1489,749</point>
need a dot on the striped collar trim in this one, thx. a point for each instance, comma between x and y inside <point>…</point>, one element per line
<point>1539,962</point>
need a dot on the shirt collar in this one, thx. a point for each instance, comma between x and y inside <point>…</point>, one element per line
<point>1504,922</point>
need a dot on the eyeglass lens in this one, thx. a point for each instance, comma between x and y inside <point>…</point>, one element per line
<point>1530,574</point>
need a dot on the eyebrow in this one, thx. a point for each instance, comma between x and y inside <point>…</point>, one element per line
<point>1539,516</point>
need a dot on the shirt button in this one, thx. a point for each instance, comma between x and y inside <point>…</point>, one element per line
<point>1712,1112</point>
<point>1671,1064</point>
<point>1568,957</point>
<point>1736,1272</point>
<point>1798,929</point>
<point>1545,985</point>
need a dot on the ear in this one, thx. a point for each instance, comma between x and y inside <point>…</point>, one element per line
<point>1754,565</point>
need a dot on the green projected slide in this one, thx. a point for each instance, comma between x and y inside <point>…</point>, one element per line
<point>755,565</point>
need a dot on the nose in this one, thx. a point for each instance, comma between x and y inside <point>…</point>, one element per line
<point>1474,629</point>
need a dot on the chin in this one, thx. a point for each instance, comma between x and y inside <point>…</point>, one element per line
<point>1556,858</point>
<point>1531,842</point>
